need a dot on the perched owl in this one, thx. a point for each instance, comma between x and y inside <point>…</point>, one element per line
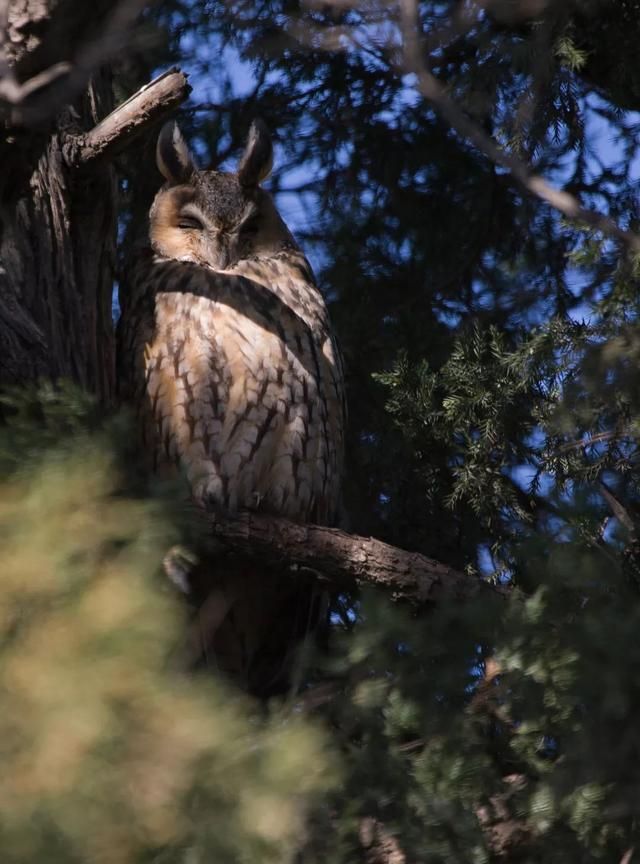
<point>227,354</point>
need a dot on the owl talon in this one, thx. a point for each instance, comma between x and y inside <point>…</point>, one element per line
<point>178,564</point>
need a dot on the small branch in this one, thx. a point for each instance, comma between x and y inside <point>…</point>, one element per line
<point>36,100</point>
<point>432,90</point>
<point>344,560</point>
<point>591,440</point>
<point>11,90</point>
<point>412,51</point>
<point>152,102</point>
<point>617,508</point>
<point>15,94</point>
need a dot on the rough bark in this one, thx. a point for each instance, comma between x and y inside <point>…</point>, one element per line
<point>49,49</point>
<point>57,257</point>
<point>58,192</point>
<point>113,134</point>
<point>340,559</point>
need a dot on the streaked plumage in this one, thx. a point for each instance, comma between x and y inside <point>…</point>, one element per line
<point>227,351</point>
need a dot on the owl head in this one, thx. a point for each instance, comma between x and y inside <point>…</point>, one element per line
<point>215,218</point>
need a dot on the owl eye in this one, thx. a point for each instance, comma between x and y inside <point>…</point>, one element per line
<point>190,223</point>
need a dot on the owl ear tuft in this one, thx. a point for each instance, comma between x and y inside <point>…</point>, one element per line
<point>257,160</point>
<point>173,157</point>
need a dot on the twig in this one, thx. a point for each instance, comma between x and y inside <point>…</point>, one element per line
<point>147,106</point>
<point>432,90</point>
<point>617,508</point>
<point>40,97</point>
<point>412,52</point>
<point>11,90</point>
<point>589,441</point>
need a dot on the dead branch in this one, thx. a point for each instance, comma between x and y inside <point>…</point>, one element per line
<point>340,559</point>
<point>11,90</point>
<point>507,834</point>
<point>146,107</point>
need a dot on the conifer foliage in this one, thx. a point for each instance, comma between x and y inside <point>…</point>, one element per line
<point>492,354</point>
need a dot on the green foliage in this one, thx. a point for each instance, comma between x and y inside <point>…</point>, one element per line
<point>110,752</point>
<point>490,426</point>
<point>505,727</point>
<point>570,55</point>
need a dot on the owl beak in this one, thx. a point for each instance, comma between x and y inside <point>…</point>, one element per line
<point>219,252</point>
<point>224,258</point>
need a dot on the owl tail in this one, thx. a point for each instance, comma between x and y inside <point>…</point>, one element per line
<point>253,627</point>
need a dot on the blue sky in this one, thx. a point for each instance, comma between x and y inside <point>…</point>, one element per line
<point>300,212</point>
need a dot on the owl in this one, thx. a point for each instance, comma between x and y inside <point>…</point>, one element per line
<point>228,358</point>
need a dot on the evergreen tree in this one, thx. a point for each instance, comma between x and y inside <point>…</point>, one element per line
<point>491,348</point>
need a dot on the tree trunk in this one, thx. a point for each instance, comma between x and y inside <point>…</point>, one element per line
<point>57,229</point>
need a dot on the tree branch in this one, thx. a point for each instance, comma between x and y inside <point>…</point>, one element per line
<point>152,102</point>
<point>37,99</point>
<point>433,91</point>
<point>341,559</point>
<point>408,59</point>
<point>617,508</point>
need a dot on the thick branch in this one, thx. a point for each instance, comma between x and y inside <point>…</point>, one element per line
<point>342,559</point>
<point>152,102</point>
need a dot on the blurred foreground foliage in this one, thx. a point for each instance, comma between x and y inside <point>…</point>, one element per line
<point>503,728</point>
<point>109,752</point>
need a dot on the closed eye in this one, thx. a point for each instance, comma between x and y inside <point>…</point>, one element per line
<point>190,223</point>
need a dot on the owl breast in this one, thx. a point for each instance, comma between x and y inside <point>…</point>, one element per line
<point>237,383</point>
